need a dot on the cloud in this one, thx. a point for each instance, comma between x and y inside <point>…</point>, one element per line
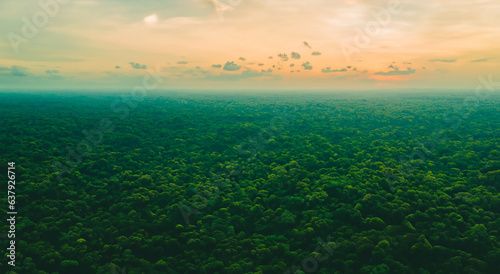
<point>15,70</point>
<point>19,71</point>
<point>221,8</point>
<point>479,60</point>
<point>307,66</point>
<point>443,60</point>
<point>329,70</point>
<point>307,44</point>
<point>151,19</point>
<point>396,71</point>
<point>138,66</point>
<point>217,66</point>
<point>182,62</point>
<point>283,57</point>
<point>197,73</point>
<point>231,66</point>
<point>54,74</point>
<point>295,55</point>
<point>246,74</point>
<point>316,53</point>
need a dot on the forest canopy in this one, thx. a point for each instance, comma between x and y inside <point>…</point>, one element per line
<point>253,184</point>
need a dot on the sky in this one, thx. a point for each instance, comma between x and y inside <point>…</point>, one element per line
<point>249,44</point>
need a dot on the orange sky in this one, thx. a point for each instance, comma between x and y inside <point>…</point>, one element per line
<point>249,44</point>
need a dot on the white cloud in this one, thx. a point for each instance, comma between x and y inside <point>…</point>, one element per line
<point>151,20</point>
